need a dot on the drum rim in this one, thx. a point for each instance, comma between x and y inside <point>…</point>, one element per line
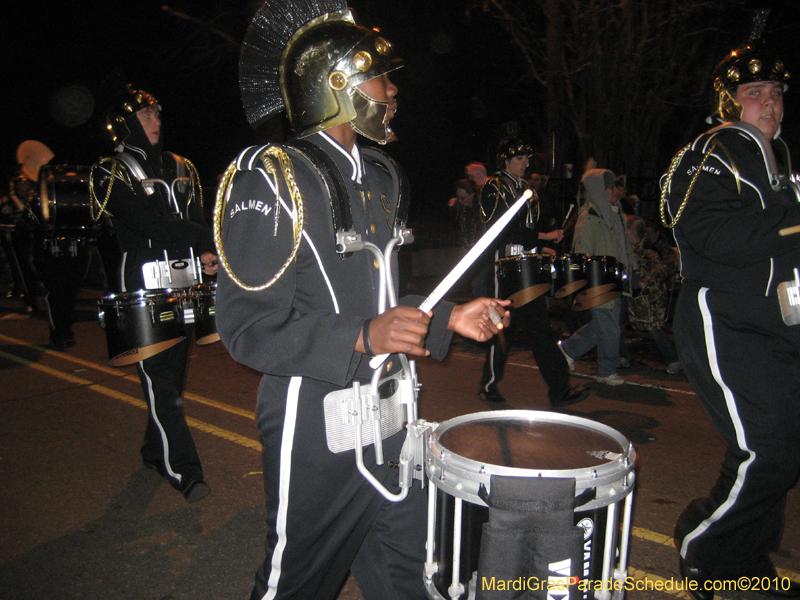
<point>539,257</point>
<point>142,296</point>
<point>443,464</point>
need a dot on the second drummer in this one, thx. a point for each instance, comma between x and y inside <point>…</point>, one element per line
<point>151,227</point>
<point>530,319</point>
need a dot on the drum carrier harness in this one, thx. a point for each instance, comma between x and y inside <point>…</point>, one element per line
<point>159,274</point>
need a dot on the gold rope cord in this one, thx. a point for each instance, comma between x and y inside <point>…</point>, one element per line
<point>195,183</point>
<point>672,168</point>
<point>116,170</point>
<point>223,194</point>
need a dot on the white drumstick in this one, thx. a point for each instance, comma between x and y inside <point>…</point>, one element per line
<point>465,263</point>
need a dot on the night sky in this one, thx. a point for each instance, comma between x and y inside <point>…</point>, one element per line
<point>457,89</point>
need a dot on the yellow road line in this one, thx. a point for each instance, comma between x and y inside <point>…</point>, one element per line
<point>639,532</point>
<point>137,402</point>
<point>117,372</point>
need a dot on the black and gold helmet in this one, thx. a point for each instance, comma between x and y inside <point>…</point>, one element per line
<point>130,102</point>
<point>753,61</point>
<point>509,148</point>
<point>314,73</point>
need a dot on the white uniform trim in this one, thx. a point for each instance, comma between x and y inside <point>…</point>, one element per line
<point>308,239</point>
<point>151,401</point>
<point>741,474</point>
<point>287,444</point>
<point>763,206</point>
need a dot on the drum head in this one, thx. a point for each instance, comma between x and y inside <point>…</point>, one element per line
<point>530,444</point>
<point>464,452</point>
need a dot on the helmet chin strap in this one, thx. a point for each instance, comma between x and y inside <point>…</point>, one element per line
<point>372,118</point>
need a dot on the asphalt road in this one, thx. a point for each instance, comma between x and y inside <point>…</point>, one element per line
<point>80,518</point>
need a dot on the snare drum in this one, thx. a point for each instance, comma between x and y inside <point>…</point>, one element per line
<point>568,276</point>
<point>604,277</point>
<point>141,324</point>
<point>463,453</point>
<point>524,277</point>
<point>64,203</point>
<point>201,309</point>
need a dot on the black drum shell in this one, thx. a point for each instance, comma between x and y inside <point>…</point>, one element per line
<point>204,305</point>
<point>141,324</point>
<point>524,277</point>
<point>568,275</point>
<point>604,282</point>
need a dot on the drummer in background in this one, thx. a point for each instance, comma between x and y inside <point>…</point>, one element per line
<point>601,231</point>
<point>23,190</point>
<point>147,225</point>
<point>736,328</point>
<point>532,319</point>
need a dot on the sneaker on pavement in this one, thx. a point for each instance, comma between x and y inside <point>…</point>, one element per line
<point>570,361</point>
<point>673,368</point>
<point>612,379</point>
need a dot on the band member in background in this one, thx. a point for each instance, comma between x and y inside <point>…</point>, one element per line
<point>308,317</point>
<point>155,207</point>
<point>601,231</point>
<point>729,196</point>
<point>531,320</point>
<point>23,192</point>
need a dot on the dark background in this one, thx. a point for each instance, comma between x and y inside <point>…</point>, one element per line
<point>460,87</point>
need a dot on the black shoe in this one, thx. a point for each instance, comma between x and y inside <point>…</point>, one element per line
<point>699,576</point>
<point>492,396</point>
<point>195,490</point>
<point>573,396</point>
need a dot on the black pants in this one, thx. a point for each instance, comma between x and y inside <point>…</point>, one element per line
<point>744,363</point>
<point>324,518</point>
<point>168,443</point>
<point>63,270</point>
<point>531,323</point>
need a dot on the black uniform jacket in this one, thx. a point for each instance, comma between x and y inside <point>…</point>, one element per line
<point>728,231</point>
<point>307,323</point>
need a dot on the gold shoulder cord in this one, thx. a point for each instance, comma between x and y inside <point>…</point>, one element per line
<point>117,170</point>
<point>672,168</point>
<point>195,181</point>
<point>223,194</point>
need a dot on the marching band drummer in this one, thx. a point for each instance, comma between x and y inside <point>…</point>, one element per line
<point>308,317</point>
<point>530,319</point>
<point>735,327</point>
<point>156,216</point>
